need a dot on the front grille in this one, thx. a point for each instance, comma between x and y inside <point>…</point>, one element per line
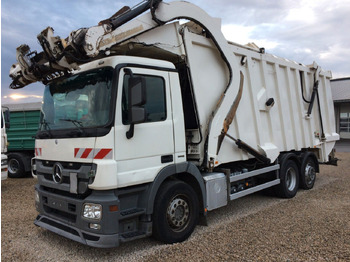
<point>50,178</point>
<point>79,172</point>
<point>66,194</point>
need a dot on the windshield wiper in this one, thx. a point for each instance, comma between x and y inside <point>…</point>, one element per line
<point>47,128</point>
<point>77,123</point>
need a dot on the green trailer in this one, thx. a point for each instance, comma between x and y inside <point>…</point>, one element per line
<point>24,123</point>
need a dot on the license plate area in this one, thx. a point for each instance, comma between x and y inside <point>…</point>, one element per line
<point>57,204</point>
<point>60,209</point>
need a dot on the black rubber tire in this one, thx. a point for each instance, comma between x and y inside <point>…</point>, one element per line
<point>307,173</point>
<point>289,175</point>
<point>175,198</point>
<point>16,166</point>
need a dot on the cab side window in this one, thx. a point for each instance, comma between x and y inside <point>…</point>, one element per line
<point>155,99</point>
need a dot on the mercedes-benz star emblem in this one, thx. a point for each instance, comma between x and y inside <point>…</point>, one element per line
<point>57,173</point>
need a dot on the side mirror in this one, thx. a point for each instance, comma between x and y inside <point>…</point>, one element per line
<point>136,100</point>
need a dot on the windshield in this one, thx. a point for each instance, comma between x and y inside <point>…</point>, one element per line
<point>77,102</point>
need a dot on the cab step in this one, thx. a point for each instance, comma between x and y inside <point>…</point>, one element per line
<point>130,213</point>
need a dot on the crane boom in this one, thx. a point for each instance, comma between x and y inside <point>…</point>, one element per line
<point>60,56</point>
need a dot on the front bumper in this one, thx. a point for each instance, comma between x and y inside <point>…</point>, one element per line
<point>76,234</point>
<point>62,214</point>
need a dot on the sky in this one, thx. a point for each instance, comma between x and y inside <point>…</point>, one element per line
<point>299,30</point>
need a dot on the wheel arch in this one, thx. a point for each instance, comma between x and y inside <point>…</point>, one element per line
<point>186,172</point>
<point>289,156</point>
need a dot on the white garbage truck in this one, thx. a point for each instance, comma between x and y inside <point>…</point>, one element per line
<point>152,118</point>
<point>4,124</point>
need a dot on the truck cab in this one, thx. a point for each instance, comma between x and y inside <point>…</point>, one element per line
<point>129,127</point>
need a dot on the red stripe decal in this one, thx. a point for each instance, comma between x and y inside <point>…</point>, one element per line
<point>40,151</point>
<point>86,153</point>
<point>37,151</point>
<point>76,150</point>
<point>102,153</point>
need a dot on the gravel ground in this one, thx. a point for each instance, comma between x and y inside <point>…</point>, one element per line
<point>313,226</point>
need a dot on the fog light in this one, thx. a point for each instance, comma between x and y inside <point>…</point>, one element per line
<point>92,211</point>
<point>95,226</point>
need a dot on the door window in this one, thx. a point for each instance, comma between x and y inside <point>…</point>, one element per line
<point>155,99</point>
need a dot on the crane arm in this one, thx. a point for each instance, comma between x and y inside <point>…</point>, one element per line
<point>60,56</point>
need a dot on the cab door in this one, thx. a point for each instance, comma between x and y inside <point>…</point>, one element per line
<point>151,147</point>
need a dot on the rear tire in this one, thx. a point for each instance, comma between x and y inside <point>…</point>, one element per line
<point>307,173</point>
<point>16,166</point>
<point>289,175</point>
<point>176,212</point>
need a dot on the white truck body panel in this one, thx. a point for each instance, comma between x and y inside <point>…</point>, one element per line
<point>65,149</point>
<point>283,127</point>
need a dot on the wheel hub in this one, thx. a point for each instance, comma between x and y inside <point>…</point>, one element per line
<point>178,213</point>
<point>291,179</point>
<point>310,174</point>
<point>13,166</point>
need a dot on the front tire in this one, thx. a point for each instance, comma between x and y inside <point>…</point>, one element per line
<point>289,175</point>
<point>176,212</point>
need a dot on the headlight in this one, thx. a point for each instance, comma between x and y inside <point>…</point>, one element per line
<point>92,211</point>
<point>4,162</point>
